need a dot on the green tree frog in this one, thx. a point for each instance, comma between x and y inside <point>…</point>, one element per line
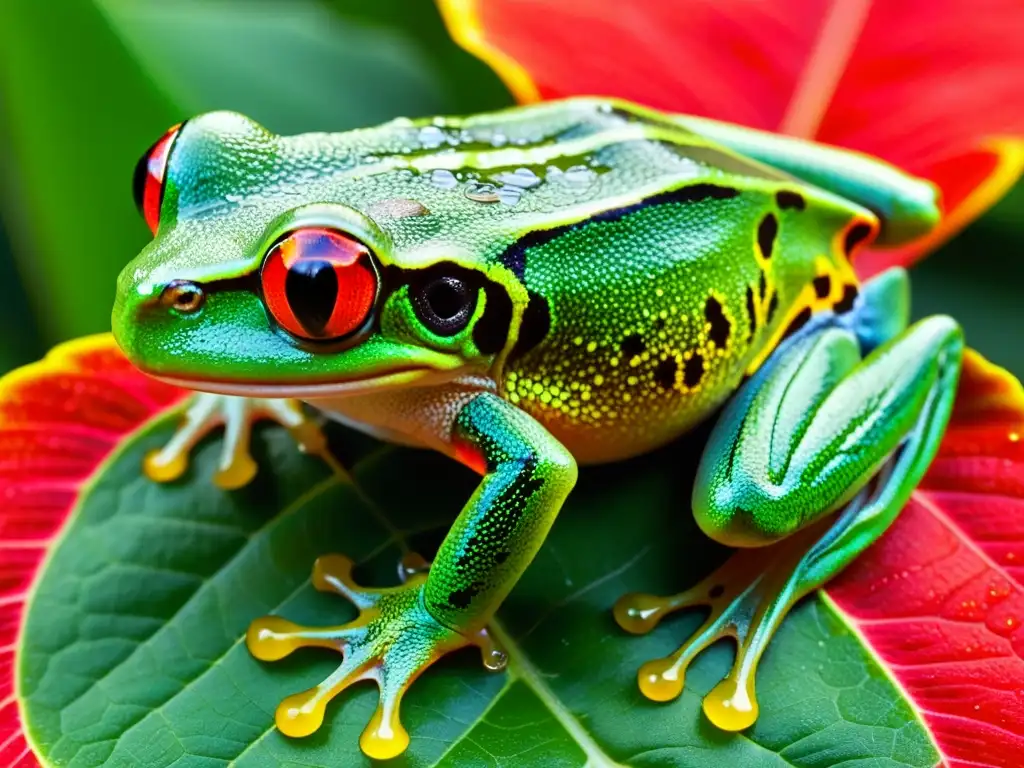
<point>566,283</point>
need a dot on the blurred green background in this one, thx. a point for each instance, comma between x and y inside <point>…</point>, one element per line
<point>87,85</point>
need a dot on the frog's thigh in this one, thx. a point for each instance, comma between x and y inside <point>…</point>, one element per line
<point>814,431</point>
<point>813,427</point>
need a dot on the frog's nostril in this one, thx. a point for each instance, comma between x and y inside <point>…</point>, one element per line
<point>182,296</point>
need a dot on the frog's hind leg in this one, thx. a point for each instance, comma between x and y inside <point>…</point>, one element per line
<point>206,412</point>
<point>817,430</point>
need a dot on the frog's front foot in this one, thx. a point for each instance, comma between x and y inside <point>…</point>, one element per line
<point>206,412</point>
<point>748,597</point>
<point>393,639</point>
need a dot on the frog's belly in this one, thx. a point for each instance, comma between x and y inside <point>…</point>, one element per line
<point>619,436</point>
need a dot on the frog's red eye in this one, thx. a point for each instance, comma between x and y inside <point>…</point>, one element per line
<point>319,283</point>
<point>148,181</point>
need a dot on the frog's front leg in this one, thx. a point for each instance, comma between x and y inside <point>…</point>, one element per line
<point>205,412</point>
<point>816,431</point>
<point>401,630</point>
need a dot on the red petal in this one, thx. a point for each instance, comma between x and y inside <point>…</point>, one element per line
<point>934,86</point>
<point>58,420</point>
<point>940,598</point>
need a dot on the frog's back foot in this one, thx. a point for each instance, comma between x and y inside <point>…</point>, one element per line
<point>204,413</point>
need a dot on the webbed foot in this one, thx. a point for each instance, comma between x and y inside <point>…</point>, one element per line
<point>391,642</point>
<point>206,412</point>
<point>748,596</point>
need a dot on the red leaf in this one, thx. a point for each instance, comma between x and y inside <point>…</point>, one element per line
<point>940,598</point>
<point>58,420</point>
<point>934,87</point>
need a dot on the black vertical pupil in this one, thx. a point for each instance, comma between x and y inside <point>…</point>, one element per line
<point>447,297</point>
<point>311,288</point>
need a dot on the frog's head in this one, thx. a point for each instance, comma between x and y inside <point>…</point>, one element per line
<point>269,276</point>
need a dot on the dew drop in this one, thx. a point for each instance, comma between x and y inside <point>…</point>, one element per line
<point>431,137</point>
<point>443,179</point>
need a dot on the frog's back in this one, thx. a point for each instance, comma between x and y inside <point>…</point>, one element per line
<point>660,268</point>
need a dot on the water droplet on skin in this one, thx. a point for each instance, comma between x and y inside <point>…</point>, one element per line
<point>431,137</point>
<point>579,175</point>
<point>509,195</point>
<point>523,178</point>
<point>443,179</point>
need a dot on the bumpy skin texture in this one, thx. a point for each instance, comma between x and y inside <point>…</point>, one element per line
<point>568,282</point>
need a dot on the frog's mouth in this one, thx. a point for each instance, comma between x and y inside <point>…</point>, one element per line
<point>405,377</point>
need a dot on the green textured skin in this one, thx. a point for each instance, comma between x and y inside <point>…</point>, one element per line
<point>529,474</point>
<point>645,270</point>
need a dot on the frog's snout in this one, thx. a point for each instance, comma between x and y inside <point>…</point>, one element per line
<point>138,314</point>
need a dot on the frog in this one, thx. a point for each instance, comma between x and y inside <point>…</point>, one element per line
<point>527,291</point>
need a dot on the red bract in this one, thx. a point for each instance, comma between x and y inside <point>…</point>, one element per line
<point>934,87</point>
<point>58,420</point>
<point>940,598</point>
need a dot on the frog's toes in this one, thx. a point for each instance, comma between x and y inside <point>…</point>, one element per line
<point>391,641</point>
<point>748,597</point>
<point>206,412</point>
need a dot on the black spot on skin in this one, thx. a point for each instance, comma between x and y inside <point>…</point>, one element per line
<point>822,286</point>
<point>845,304</point>
<point>632,345</point>
<point>798,322</point>
<point>697,192</point>
<point>716,591</point>
<point>460,599</point>
<point>857,234</point>
<point>751,311</point>
<point>501,557</point>
<point>659,323</point>
<point>311,287</point>
<point>767,230</point>
<point>762,286</point>
<point>693,370</point>
<point>773,307</point>
<point>665,373</point>
<point>720,326</point>
<point>535,326</point>
<point>490,334</point>
<point>787,199</point>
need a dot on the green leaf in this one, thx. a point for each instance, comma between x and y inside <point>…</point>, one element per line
<point>84,91</point>
<point>133,654</point>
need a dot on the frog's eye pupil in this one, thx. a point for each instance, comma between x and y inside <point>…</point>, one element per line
<point>444,304</point>
<point>148,179</point>
<point>311,288</point>
<point>319,284</point>
<point>447,297</point>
